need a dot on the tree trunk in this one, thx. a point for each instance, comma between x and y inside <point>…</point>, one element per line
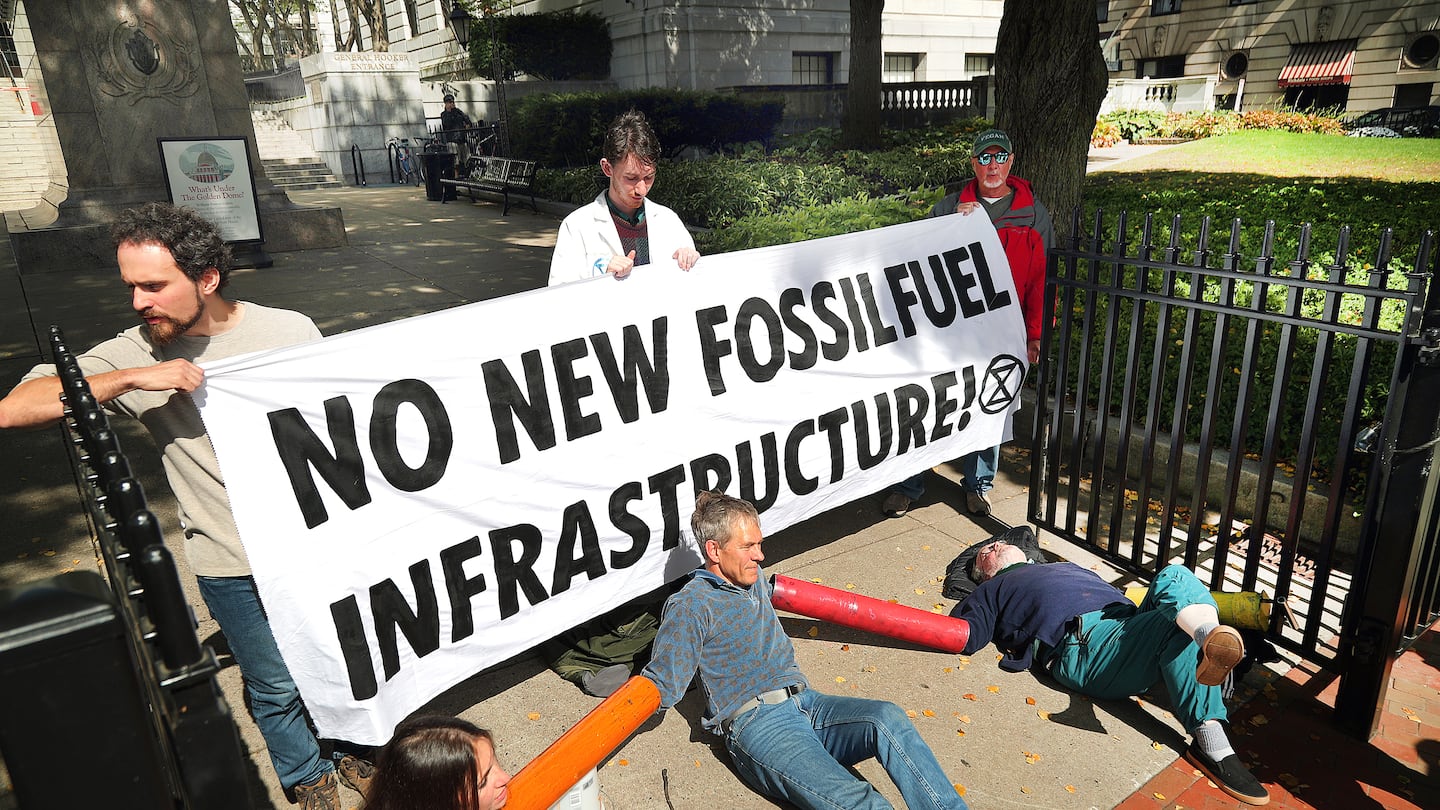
<point>861,129</point>
<point>1050,78</point>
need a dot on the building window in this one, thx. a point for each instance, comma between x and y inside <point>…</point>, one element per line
<point>1102,11</point>
<point>979,64</point>
<point>812,67</point>
<point>1416,94</point>
<point>901,67</point>
<point>1317,96</point>
<point>1243,2</point>
<point>412,18</point>
<point>1164,67</point>
<point>1159,7</point>
<point>7,48</point>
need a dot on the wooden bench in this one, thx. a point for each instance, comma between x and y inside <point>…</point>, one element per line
<point>498,175</point>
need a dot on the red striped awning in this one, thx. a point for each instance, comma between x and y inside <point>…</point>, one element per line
<point>1319,63</point>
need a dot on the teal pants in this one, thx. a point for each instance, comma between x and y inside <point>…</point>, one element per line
<point>1123,650</point>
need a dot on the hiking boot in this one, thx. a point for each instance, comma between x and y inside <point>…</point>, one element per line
<point>1230,776</point>
<point>895,505</point>
<point>977,502</point>
<point>1222,650</point>
<point>323,794</point>
<point>355,773</point>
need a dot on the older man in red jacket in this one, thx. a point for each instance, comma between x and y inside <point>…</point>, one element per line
<point>1026,232</point>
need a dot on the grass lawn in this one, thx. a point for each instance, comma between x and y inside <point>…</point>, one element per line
<point>1289,154</point>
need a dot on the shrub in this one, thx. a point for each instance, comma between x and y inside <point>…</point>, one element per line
<point>1106,133</point>
<point>812,222</point>
<point>568,129</point>
<point>549,45</point>
<point>1135,124</point>
<point>1200,124</point>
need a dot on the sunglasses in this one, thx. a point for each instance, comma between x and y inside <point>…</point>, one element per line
<point>998,157</point>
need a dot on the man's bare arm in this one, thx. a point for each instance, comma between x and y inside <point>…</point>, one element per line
<point>36,403</point>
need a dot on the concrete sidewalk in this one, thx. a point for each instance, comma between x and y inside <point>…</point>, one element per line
<point>1007,739</point>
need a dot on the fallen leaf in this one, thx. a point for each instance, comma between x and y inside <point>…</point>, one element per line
<point>1029,701</point>
<point>993,689</point>
<point>947,670</point>
<point>1157,746</point>
<point>924,548</point>
<point>844,648</point>
<point>849,586</point>
<point>964,718</point>
<point>969,696</point>
<point>868,669</point>
<point>910,713</point>
<point>920,590</point>
<point>697,763</point>
<point>1042,714</point>
<point>1259,720</point>
<point>959,789</point>
<point>1031,758</point>
<point>1159,796</point>
<point>1069,788</point>
<point>813,631</point>
<point>928,713</point>
<point>624,762</point>
<point>49,552</point>
<point>960,731</point>
<point>817,580</point>
<point>1025,790</point>
<point>533,716</point>
<point>839,679</point>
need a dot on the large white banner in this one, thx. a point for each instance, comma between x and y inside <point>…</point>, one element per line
<point>424,499</point>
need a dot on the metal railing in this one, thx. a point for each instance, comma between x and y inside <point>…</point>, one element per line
<point>145,706</point>
<point>1215,407</point>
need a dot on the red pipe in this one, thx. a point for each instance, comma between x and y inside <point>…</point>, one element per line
<point>865,613</point>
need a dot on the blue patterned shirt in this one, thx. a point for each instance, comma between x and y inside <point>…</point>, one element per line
<point>730,635</point>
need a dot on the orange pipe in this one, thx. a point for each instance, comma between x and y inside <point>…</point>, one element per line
<point>547,777</point>
<point>865,613</point>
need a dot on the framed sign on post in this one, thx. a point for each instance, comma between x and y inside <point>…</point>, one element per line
<point>215,178</point>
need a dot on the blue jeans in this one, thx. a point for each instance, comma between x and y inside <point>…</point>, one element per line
<point>800,750</point>
<point>1123,650</point>
<point>977,468</point>
<point>274,699</point>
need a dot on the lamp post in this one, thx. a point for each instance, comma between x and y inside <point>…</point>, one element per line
<point>460,24</point>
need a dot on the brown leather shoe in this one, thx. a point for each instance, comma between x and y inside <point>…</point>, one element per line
<point>1222,650</point>
<point>323,794</point>
<point>355,773</point>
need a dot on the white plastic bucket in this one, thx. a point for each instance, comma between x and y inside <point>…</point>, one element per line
<point>585,795</point>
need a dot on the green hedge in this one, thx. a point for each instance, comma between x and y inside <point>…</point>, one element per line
<point>550,45</point>
<point>815,221</point>
<point>568,129</point>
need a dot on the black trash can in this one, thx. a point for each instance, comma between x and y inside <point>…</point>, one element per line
<point>438,165</point>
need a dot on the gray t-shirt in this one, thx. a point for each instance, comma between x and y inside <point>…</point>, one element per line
<point>212,543</point>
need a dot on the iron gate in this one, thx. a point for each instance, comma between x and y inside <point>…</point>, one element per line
<point>1228,410</point>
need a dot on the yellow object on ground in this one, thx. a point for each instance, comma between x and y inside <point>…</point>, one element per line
<point>1249,610</point>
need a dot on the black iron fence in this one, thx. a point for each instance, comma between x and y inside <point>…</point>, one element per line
<point>280,84</point>
<point>111,674</point>
<point>1242,414</point>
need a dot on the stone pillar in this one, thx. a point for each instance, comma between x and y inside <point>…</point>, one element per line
<point>119,74</point>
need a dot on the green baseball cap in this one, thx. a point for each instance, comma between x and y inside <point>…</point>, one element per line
<point>989,138</point>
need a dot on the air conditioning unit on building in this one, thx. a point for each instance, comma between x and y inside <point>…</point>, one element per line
<point>1235,65</point>
<point>1421,51</point>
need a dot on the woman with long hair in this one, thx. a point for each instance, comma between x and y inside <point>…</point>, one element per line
<point>438,763</point>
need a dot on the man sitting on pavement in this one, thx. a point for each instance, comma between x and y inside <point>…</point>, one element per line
<point>176,265</point>
<point>1091,638</point>
<point>786,740</point>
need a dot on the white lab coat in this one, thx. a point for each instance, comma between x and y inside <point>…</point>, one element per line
<point>588,239</point>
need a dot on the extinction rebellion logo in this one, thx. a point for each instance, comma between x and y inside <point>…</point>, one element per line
<point>207,163</point>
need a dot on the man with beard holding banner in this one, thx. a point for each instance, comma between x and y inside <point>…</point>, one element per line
<point>176,265</point>
<point>786,740</point>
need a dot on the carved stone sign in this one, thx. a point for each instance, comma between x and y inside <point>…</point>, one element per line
<point>136,61</point>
